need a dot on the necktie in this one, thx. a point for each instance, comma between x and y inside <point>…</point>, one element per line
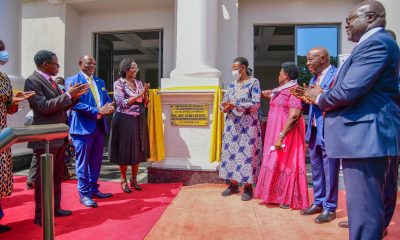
<point>93,90</point>
<point>53,83</point>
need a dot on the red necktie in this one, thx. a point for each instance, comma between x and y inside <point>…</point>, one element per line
<point>53,83</point>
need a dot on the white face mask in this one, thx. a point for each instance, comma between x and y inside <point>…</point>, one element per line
<point>235,75</point>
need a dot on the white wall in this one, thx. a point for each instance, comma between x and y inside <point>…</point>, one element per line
<point>392,16</point>
<point>228,33</point>
<point>127,20</point>
<point>72,53</point>
<point>43,28</point>
<point>269,12</point>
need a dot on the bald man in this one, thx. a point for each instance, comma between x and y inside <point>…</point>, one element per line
<point>362,121</point>
<point>325,170</point>
<point>88,125</point>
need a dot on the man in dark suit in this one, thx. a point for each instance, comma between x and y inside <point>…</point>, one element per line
<point>362,121</point>
<point>88,125</point>
<point>49,106</point>
<point>325,170</point>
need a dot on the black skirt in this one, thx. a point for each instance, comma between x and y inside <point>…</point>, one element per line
<point>129,139</point>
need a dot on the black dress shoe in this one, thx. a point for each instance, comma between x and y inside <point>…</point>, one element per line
<point>230,190</point>
<point>4,228</point>
<point>344,224</point>
<point>313,209</point>
<point>247,194</point>
<point>101,195</point>
<point>62,213</point>
<point>30,185</point>
<point>325,216</point>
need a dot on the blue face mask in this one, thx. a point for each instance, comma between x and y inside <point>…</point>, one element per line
<point>4,57</point>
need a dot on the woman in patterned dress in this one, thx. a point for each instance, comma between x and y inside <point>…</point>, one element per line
<point>241,144</point>
<point>282,177</point>
<point>8,105</point>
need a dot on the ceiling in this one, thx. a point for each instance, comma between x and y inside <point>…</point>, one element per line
<point>273,45</point>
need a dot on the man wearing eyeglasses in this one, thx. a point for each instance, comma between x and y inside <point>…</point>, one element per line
<point>88,125</point>
<point>362,121</point>
<point>49,106</point>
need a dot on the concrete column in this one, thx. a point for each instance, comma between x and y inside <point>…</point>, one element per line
<point>11,25</point>
<point>392,17</point>
<point>196,44</point>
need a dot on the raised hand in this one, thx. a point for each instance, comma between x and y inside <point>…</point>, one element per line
<point>78,89</point>
<point>22,96</point>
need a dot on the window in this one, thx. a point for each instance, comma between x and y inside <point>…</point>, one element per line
<point>274,45</point>
<point>308,37</point>
<point>145,47</point>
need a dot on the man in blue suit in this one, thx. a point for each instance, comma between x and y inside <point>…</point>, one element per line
<point>325,170</point>
<point>88,125</point>
<point>362,121</point>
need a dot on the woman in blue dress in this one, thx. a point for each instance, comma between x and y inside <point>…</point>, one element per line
<point>241,143</point>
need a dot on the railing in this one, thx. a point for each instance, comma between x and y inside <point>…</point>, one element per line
<point>10,136</point>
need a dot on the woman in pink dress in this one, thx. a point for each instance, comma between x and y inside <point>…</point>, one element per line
<point>282,178</point>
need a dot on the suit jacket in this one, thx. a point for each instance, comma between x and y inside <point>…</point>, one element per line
<point>363,107</point>
<point>83,117</point>
<point>49,106</point>
<point>314,110</point>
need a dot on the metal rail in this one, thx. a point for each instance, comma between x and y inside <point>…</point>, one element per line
<point>10,136</point>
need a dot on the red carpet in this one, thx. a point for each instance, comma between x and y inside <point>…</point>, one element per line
<point>124,216</point>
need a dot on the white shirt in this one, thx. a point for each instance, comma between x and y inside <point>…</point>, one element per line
<point>362,39</point>
<point>96,90</point>
<point>322,75</point>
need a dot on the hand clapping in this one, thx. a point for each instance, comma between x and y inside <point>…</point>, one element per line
<point>22,96</point>
<point>307,94</point>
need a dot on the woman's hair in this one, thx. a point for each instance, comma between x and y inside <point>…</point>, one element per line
<point>243,61</point>
<point>291,69</point>
<point>43,56</point>
<point>124,66</point>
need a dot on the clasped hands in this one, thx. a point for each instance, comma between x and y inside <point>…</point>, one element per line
<point>227,106</point>
<point>307,94</point>
<point>107,109</point>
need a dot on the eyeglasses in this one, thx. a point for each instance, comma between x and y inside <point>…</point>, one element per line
<point>354,17</point>
<point>135,69</point>
<point>56,64</point>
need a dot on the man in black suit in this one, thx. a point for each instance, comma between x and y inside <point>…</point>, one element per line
<point>49,106</point>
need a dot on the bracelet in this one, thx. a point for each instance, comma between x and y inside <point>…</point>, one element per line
<point>281,135</point>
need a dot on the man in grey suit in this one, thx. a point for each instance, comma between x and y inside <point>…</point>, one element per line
<point>49,106</point>
<point>362,121</point>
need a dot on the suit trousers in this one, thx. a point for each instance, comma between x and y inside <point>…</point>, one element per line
<point>370,195</point>
<point>89,155</point>
<point>325,174</point>
<point>32,169</point>
<point>58,170</point>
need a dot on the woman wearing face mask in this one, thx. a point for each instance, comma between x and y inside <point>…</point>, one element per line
<point>282,177</point>
<point>241,144</point>
<point>8,105</point>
